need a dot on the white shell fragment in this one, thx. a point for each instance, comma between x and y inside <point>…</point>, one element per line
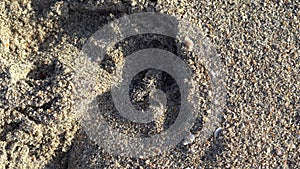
<point>189,139</point>
<point>218,131</point>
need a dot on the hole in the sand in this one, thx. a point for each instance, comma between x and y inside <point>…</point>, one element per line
<point>44,71</point>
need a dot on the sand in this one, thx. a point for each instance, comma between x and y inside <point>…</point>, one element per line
<point>258,45</point>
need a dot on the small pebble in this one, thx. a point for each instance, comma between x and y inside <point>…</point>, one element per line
<point>189,139</point>
<point>278,151</point>
<point>189,44</point>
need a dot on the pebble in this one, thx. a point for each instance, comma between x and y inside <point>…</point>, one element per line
<point>188,43</point>
<point>189,139</point>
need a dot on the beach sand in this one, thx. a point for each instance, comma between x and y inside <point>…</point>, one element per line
<point>258,44</point>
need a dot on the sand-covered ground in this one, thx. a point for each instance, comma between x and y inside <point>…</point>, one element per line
<point>258,43</point>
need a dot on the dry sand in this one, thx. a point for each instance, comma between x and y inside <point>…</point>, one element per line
<point>258,43</point>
